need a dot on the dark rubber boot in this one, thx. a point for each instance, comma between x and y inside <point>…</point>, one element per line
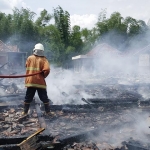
<point>26,108</point>
<point>47,107</point>
<point>47,110</point>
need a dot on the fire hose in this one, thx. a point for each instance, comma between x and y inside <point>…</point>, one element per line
<point>19,76</point>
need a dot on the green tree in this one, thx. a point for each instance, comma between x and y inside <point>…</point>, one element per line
<point>90,38</point>
<point>112,30</point>
<point>132,25</point>
<point>44,18</point>
<point>75,40</point>
<point>51,38</point>
<point>25,32</point>
<point>5,26</point>
<point>62,23</point>
<point>102,22</point>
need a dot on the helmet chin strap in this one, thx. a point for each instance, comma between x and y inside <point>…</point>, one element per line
<point>38,52</point>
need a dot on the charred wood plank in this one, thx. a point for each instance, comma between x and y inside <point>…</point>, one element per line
<point>13,95</point>
<point>113,100</point>
<point>133,146</point>
<point>87,108</point>
<point>144,103</point>
<point>10,147</point>
<point>79,137</point>
<point>12,141</point>
<point>83,99</point>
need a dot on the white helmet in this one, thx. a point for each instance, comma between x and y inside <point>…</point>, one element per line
<point>39,46</point>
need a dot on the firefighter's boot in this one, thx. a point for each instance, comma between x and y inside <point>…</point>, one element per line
<point>26,108</point>
<point>47,109</point>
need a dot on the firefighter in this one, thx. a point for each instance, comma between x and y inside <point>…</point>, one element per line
<point>36,63</point>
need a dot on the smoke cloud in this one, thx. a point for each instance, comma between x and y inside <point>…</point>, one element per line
<point>129,125</point>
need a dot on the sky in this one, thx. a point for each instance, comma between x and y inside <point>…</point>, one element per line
<point>83,12</point>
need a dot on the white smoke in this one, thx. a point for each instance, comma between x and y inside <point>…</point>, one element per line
<point>61,86</point>
<point>131,124</point>
<point>107,68</point>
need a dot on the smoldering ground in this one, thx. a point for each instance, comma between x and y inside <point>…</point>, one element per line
<point>107,69</point>
<point>130,125</point>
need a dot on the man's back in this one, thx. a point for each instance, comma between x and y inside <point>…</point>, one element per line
<point>36,64</point>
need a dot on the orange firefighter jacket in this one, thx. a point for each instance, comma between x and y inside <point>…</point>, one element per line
<point>36,64</point>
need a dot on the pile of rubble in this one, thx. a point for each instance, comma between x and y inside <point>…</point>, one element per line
<point>90,145</point>
<point>92,130</point>
<point>89,127</point>
<point>12,123</point>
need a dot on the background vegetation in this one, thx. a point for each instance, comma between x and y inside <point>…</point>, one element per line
<point>61,41</point>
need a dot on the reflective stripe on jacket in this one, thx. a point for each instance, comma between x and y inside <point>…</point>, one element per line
<point>35,64</point>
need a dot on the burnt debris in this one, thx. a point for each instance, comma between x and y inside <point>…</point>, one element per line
<point>108,122</point>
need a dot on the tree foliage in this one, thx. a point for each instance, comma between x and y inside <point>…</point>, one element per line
<point>62,23</point>
<point>44,18</point>
<point>62,41</point>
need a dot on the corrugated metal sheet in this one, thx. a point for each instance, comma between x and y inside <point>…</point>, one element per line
<point>101,49</point>
<point>8,48</point>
